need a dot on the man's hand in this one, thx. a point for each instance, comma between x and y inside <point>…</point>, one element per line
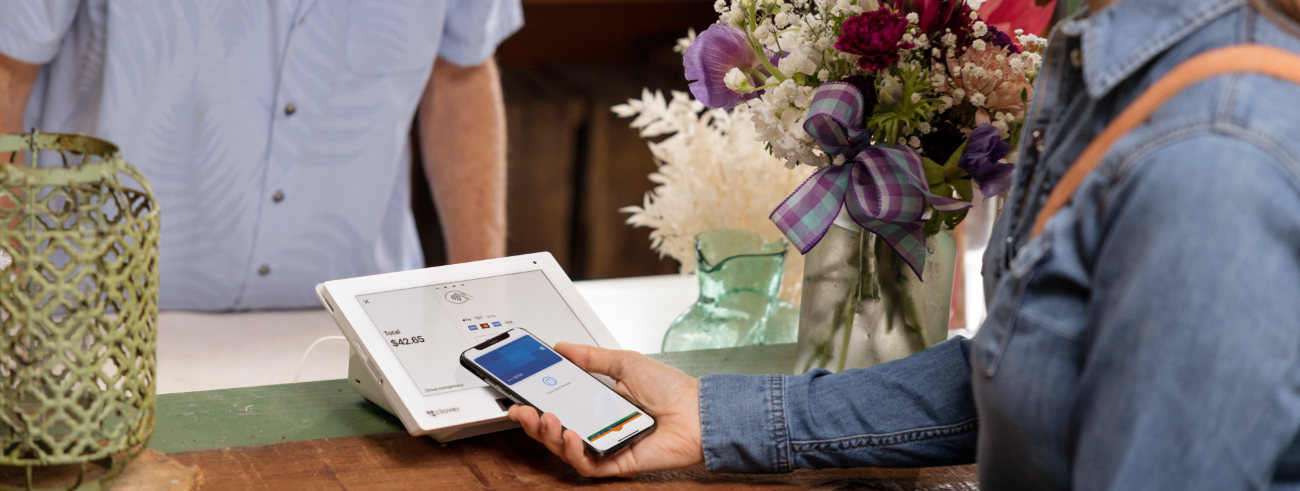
<point>667,394</point>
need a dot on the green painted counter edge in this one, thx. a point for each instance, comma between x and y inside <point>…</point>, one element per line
<point>269,414</point>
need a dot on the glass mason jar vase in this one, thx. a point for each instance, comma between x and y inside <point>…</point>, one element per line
<point>739,278</point>
<point>862,305</point>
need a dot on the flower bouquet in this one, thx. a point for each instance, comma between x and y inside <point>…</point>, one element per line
<point>907,110</point>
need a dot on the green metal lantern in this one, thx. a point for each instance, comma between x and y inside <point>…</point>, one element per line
<point>78,312</point>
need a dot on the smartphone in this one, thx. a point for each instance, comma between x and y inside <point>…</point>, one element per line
<point>529,372</point>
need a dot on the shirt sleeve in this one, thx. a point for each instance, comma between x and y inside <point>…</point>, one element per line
<point>33,29</point>
<point>917,411</point>
<point>1192,379</point>
<point>475,27</point>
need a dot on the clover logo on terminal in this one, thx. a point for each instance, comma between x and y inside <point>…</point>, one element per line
<point>457,296</point>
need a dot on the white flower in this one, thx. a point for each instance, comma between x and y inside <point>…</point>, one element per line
<point>735,80</point>
<point>914,142</point>
<point>824,75</point>
<point>916,97</point>
<point>909,38</point>
<point>974,4</point>
<point>978,45</point>
<point>958,95</point>
<point>684,44</point>
<point>947,101</point>
<point>973,15</point>
<point>1017,64</point>
<point>981,28</point>
<point>924,127</point>
<point>902,141</point>
<point>936,53</point>
<point>949,39</point>
<point>977,99</point>
<point>720,6</point>
<point>1003,131</point>
<point>912,18</point>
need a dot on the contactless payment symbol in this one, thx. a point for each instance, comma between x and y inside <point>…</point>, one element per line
<point>549,380</point>
<point>457,296</point>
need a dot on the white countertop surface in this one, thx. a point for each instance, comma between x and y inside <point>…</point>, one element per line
<point>223,351</point>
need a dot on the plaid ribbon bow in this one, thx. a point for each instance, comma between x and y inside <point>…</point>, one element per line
<point>887,182</point>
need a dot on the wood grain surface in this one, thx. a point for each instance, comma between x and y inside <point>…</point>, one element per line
<point>505,460</point>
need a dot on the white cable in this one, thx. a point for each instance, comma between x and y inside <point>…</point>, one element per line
<point>303,363</point>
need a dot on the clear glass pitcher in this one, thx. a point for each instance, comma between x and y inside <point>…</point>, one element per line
<point>739,277</point>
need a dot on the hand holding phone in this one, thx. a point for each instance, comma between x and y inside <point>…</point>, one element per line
<point>665,393</point>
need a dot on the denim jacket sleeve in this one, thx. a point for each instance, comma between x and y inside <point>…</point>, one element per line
<point>917,411</point>
<point>1191,378</point>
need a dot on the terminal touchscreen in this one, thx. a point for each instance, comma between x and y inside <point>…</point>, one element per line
<point>427,328</point>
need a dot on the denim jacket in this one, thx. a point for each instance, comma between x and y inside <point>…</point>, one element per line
<point>1148,339</point>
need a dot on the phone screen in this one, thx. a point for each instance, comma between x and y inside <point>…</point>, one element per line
<point>553,384</point>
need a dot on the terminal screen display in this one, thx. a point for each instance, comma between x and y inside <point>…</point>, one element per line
<point>428,327</point>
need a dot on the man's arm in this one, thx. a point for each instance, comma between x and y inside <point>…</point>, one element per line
<point>16,80</point>
<point>463,137</point>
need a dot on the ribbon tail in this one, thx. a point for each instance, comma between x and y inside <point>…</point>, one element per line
<point>806,215</point>
<point>907,239</point>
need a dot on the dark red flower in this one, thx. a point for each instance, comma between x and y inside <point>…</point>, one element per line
<point>876,37</point>
<point>938,17</point>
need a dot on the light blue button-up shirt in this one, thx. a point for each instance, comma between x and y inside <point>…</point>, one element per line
<point>274,133</point>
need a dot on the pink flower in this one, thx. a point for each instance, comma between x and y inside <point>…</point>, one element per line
<point>998,83</point>
<point>876,37</point>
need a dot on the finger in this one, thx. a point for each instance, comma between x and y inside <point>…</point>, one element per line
<point>550,434</point>
<point>597,360</point>
<point>529,421</point>
<point>575,454</point>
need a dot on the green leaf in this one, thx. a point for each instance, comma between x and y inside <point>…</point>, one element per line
<point>950,167</point>
<point>932,225</point>
<point>963,189</point>
<point>933,172</point>
<point>955,218</point>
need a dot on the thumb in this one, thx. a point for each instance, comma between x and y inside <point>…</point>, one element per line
<point>595,360</point>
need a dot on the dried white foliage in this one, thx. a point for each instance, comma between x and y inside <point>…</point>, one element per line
<point>713,173</point>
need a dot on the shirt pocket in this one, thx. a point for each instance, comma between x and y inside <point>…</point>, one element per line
<point>393,36</point>
<point>991,341</point>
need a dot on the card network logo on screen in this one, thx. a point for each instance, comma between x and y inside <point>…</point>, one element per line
<point>518,360</point>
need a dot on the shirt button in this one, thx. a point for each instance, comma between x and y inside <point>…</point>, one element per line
<point>264,270</point>
<point>289,109</point>
<point>1076,58</point>
<point>1009,240</point>
<point>278,196</point>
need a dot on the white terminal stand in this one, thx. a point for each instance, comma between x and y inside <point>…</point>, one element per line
<point>531,289</point>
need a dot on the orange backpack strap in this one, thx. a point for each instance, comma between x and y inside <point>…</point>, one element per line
<point>1243,58</point>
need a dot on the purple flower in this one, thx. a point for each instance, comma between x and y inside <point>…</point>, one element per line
<point>983,151</point>
<point>999,39</point>
<point>876,37</point>
<point>715,52</point>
